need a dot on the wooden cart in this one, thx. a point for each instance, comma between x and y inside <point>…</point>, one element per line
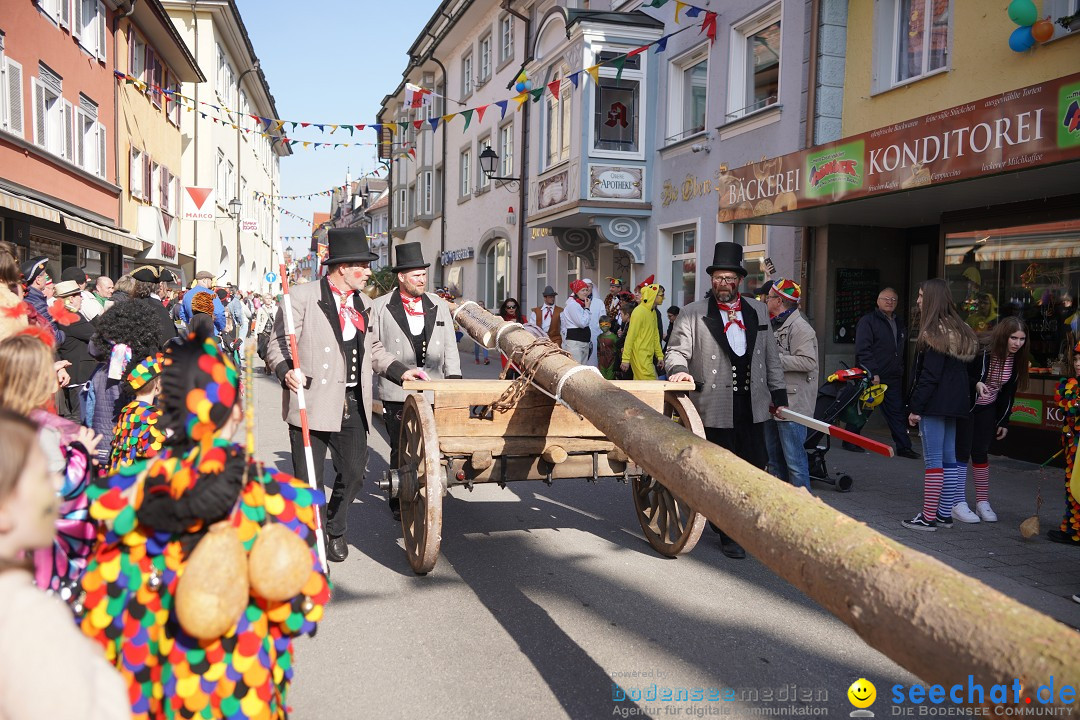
<point>458,440</point>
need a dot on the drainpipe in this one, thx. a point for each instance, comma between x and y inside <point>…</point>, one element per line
<point>442,190</point>
<point>811,108</point>
<point>523,235</point>
<point>116,117</point>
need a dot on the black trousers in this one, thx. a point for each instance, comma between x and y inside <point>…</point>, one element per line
<point>893,408</point>
<point>747,438</point>
<point>392,418</point>
<point>974,433</point>
<point>348,451</point>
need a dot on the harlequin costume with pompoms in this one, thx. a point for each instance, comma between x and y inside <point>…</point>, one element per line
<point>137,435</point>
<point>1068,399</point>
<point>153,513</point>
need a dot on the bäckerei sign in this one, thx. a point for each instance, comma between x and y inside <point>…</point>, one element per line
<point>1024,128</point>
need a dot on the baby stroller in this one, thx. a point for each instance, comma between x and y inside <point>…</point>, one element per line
<point>847,398</point>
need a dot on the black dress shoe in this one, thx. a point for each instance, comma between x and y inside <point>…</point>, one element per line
<point>1061,537</point>
<point>336,548</point>
<point>852,447</point>
<point>730,548</point>
<point>907,453</point>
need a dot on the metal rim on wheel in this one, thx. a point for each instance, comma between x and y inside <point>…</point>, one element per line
<point>670,525</point>
<point>421,489</point>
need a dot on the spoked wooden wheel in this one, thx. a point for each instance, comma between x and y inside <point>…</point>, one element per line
<point>670,525</point>
<point>420,484</point>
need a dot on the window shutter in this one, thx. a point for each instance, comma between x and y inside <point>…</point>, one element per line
<point>146,177</point>
<point>15,97</point>
<point>79,156</point>
<point>39,113</point>
<point>77,24</point>
<point>164,189</point>
<point>174,196</point>
<point>69,124</point>
<point>102,34</point>
<point>65,13</point>
<point>103,164</point>
<point>133,173</point>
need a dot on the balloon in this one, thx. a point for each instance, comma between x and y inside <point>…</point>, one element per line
<point>1023,12</point>
<point>1021,39</point>
<point>528,85</point>
<point>520,87</point>
<point>1042,30</point>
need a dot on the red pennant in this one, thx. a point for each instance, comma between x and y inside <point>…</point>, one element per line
<point>638,51</point>
<point>417,123</point>
<point>554,85</point>
<point>304,124</point>
<point>709,26</point>
<point>480,113</point>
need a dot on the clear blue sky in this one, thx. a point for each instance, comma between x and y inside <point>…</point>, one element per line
<point>330,61</point>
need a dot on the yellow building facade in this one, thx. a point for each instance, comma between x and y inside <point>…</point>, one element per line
<point>152,61</point>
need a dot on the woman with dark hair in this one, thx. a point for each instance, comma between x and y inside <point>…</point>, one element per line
<point>155,513</point>
<point>1003,367</point>
<point>940,395</point>
<point>510,311</point>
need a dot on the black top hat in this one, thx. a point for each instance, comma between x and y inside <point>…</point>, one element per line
<point>727,256</point>
<point>348,245</point>
<point>409,256</point>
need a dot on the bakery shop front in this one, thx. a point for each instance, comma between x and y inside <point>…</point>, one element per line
<point>982,194</point>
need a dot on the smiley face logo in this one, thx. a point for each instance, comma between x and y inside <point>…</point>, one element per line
<point>862,693</point>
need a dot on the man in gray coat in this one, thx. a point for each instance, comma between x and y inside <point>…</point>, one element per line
<point>337,356</point>
<point>799,358</point>
<point>724,346</point>
<point>416,328</point>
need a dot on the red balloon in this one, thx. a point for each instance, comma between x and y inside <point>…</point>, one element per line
<point>1043,30</point>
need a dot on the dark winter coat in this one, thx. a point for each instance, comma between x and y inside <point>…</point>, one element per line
<point>76,350</point>
<point>166,328</point>
<point>945,376</point>
<point>876,347</point>
<point>1003,403</point>
<point>36,299</point>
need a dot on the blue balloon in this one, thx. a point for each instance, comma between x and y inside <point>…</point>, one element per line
<point>520,87</point>
<point>1021,39</point>
<point>529,86</point>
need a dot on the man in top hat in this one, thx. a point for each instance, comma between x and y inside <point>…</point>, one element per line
<point>546,316</point>
<point>147,284</point>
<point>35,278</point>
<point>417,329</point>
<point>204,283</point>
<point>338,353</point>
<point>724,345</point>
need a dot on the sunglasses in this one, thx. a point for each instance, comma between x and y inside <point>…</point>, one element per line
<point>511,307</point>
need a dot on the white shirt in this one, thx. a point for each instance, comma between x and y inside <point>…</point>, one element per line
<point>91,308</point>
<point>545,315</point>
<point>574,316</point>
<point>736,336</point>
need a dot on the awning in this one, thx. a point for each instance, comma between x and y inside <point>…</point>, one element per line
<point>102,233</point>
<point>26,206</point>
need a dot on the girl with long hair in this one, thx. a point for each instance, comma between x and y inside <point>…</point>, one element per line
<point>1002,369</point>
<point>940,395</point>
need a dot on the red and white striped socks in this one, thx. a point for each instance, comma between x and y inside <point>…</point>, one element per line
<point>932,483</point>
<point>981,475</point>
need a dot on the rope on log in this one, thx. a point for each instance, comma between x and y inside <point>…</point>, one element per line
<point>938,623</point>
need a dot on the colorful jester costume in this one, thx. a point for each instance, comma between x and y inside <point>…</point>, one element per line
<point>153,513</point>
<point>137,435</point>
<point>1068,399</point>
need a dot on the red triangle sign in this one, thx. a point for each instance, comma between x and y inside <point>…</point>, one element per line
<point>199,195</point>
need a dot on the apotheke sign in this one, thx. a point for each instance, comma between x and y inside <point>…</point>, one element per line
<point>611,182</point>
<point>1024,128</point>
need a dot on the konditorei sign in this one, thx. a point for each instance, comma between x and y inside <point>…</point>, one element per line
<point>1024,128</point>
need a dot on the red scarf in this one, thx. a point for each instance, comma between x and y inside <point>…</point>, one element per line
<point>412,304</point>
<point>731,309</point>
<point>346,312</point>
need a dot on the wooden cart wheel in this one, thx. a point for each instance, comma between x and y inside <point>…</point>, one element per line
<point>421,484</point>
<point>669,524</point>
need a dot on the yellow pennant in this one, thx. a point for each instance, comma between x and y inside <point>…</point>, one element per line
<point>594,73</point>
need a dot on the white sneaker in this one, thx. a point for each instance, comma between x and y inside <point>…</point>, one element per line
<point>985,511</point>
<point>963,513</point>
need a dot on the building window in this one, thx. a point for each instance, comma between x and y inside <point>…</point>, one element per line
<point>173,112</point>
<point>154,76</point>
<point>495,272</point>
<point>49,115</point>
<point>538,267</point>
<point>921,38</point>
<point>755,63</point>
<point>466,173</point>
<point>137,58</point>
<point>506,38</point>
<point>683,267</point>
<point>557,120</point>
<point>402,207</point>
<point>222,186</point>
<point>467,75</point>
<point>506,150</point>
<point>688,90</point>
<point>90,27</point>
<point>617,114</point>
<point>482,183</point>
<point>1057,9</point>
<point>429,194</point>
<point>135,173</point>
<point>89,152</point>
<point>573,269</point>
<point>485,59</point>
<point>11,94</point>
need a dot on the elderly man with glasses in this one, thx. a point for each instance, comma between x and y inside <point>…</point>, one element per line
<point>723,344</point>
<point>879,347</point>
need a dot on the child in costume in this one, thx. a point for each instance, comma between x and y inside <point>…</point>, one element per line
<point>1068,399</point>
<point>137,435</point>
<point>606,349</point>
<point>48,669</point>
<point>153,515</point>
<point>642,346</point>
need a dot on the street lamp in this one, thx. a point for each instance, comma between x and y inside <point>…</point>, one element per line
<point>234,208</point>
<point>489,163</point>
<point>236,205</point>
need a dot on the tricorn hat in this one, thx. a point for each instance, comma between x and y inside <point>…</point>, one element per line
<point>410,256</point>
<point>32,268</point>
<point>147,274</point>
<point>727,256</point>
<point>348,245</point>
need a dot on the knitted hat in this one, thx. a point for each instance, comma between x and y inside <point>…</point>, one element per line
<point>202,302</point>
<point>146,371</point>
<point>789,289</point>
<point>578,285</point>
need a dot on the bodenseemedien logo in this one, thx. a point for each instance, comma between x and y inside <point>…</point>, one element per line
<point>862,694</point>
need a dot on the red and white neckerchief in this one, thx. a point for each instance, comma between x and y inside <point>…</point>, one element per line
<point>412,305</point>
<point>346,312</point>
<point>732,308</point>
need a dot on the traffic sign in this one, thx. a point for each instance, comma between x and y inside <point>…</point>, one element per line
<point>271,277</point>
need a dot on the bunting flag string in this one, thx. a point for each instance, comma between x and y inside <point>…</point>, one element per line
<point>322,193</point>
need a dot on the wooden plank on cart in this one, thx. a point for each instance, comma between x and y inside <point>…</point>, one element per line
<point>466,445</point>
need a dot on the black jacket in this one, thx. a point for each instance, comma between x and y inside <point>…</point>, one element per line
<point>166,328</point>
<point>1002,407</point>
<point>943,385</point>
<point>876,347</point>
<point>76,350</point>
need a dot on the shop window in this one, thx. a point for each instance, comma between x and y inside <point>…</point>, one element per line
<point>755,63</point>
<point>688,91</point>
<point>1031,272</point>
<point>683,267</point>
<point>913,37</point>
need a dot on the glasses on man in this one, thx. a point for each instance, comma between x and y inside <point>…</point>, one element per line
<point>889,299</point>
<point>727,279</point>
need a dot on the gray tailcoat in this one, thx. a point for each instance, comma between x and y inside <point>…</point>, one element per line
<point>390,326</point>
<point>322,360</point>
<point>698,346</point>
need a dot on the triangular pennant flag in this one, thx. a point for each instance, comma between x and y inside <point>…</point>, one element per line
<point>392,128</point>
<point>637,51</point>
<point>655,3</point>
<point>403,125</point>
<point>434,122</point>
<point>334,129</point>
<point>520,99</point>
<point>709,27</point>
<point>678,8</point>
<point>619,63</point>
<point>349,128</point>
<point>292,126</point>
<point>480,113</point>
<point>360,127</point>
<point>537,94</point>
<point>594,73</point>
<point>280,126</point>
<point>694,11</point>
<point>417,124</point>
<point>502,108</point>
<point>554,86</point>
<point>306,143</point>
<point>574,78</point>
<point>448,118</point>
<point>304,124</point>
<point>377,127</point>
<point>467,114</point>
<point>661,44</point>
